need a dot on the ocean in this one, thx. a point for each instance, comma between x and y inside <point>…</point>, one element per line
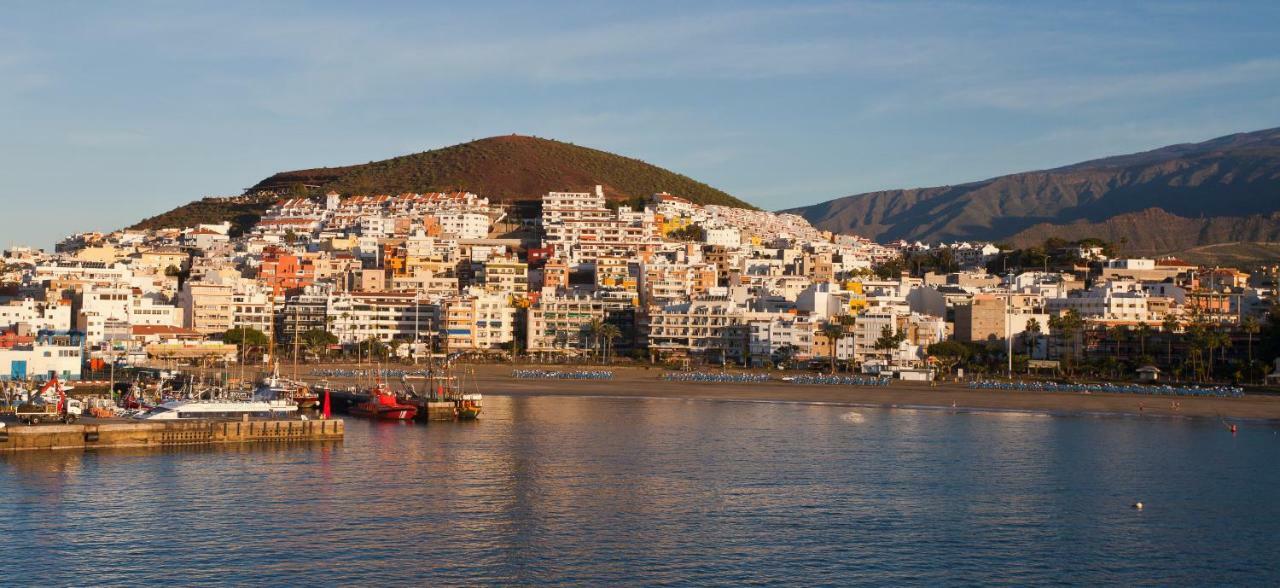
<point>627,491</point>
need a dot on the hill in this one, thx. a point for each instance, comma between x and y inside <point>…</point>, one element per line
<point>507,168</point>
<point>1168,199</point>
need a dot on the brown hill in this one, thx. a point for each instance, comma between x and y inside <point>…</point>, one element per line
<point>506,168</point>
<point>1213,191</point>
<point>511,167</point>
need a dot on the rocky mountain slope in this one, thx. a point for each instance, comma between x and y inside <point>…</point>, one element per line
<point>1225,189</point>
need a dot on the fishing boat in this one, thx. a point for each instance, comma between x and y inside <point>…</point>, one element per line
<point>383,405</point>
<point>444,395</point>
<point>467,406</point>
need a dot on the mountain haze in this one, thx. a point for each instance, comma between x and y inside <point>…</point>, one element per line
<point>1167,199</point>
<point>506,168</point>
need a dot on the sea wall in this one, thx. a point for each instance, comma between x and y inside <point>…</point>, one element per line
<point>166,434</point>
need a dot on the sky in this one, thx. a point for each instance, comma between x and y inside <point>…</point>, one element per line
<point>114,111</point>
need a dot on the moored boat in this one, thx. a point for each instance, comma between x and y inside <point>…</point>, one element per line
<point>467,406</point>
<point>384,406</point>
<point>275,387</point>
<point>218,409</point>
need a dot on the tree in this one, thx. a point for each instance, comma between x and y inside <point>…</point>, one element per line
<point>950,354</point>
<point>783,355</point>
<point>1067,327</point>
<point>891,269</point>
<point>245,336</point>
<point>1144,331</point>
<point>1032,333</point>
<point>591,334</point>
<point>377,348</point>
<point>609,332</point>
<point>1169,326</point>
<point>247,340</point>
<point>317,341</point>
<point>1251,327</point>
<point>833,333</point>
<point>889,340</point>
<point>688,233</point>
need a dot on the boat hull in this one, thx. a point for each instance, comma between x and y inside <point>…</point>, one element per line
<point>385,413</point>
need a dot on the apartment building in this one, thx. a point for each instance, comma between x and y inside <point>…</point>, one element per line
<point>707,328</point>
<point>559,323</point>
<point>207,307</point>
<point>386,316</point>
<point>38,315</point>
<point>478,321</point>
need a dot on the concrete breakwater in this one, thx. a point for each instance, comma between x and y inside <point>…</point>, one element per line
<point>168,434</point>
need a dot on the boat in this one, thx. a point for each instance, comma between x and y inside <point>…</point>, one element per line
<point>443,396</point>
<point>467,406</point>
<point>218,409</point>
<point>383,405</point>
<point>275,387</point>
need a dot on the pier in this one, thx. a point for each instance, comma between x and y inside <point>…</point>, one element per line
<point>105,435</point>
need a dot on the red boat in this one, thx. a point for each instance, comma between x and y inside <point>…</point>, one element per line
<point>383,406</point>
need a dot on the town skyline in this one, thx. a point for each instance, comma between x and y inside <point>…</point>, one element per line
<point>779,106</point>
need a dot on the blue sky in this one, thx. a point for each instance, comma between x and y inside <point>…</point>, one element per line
<point>111,112</point>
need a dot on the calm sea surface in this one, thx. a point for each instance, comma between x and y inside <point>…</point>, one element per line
<point>631,491</point>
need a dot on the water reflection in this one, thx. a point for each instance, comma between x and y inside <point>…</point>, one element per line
<point>609,491</point>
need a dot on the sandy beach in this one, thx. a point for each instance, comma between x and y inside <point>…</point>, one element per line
<point>646,383</point>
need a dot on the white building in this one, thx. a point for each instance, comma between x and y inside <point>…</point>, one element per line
<point>723,236</point>
<point>464,225</point>
<point>38,315</point>
<point>50,354</point>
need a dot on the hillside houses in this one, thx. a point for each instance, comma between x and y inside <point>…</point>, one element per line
<point>425,273</point>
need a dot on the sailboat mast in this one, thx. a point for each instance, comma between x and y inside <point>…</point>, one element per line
<point>295,342</point>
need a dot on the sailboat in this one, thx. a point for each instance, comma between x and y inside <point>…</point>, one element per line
<point>274,387</point>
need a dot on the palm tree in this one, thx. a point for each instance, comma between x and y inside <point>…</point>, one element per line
<point>1144,331</point>
<point>832,332</point>
<point>591,330</point>
<point>1251,328</point>
<point>1030,335</point>
<point>609,332</point>
<point>1169,325</point>
<point>1068,326</point>
<point>889,341</point>
<point>1118,335</point>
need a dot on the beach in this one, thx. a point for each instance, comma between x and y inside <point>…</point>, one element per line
<point>638,382</point>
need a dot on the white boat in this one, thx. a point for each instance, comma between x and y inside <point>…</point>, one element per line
<point>218,409</point>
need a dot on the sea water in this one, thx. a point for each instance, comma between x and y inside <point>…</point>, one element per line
<point>602,491</point>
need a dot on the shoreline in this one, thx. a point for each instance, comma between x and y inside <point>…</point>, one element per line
<point>632,382</point>
<point>1174,416</point>
<point>639,382</point>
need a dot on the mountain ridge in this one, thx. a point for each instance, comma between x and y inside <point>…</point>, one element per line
<point>1234,176</point>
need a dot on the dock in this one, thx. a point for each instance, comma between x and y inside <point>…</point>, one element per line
<point>108,435</point>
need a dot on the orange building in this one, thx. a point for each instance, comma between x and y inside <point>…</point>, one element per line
<point>283,271</point>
